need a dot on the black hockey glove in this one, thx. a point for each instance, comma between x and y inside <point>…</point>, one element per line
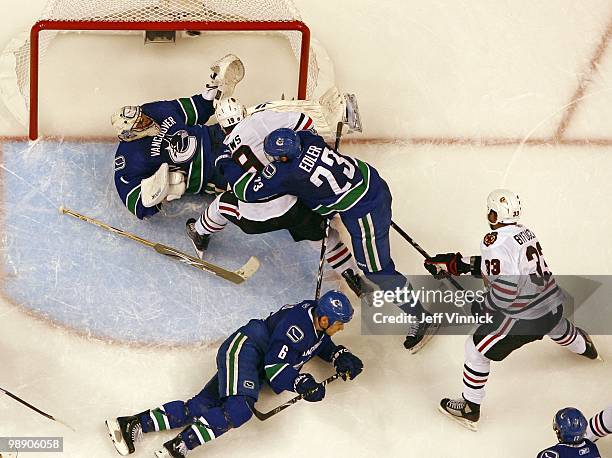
<point>449,262</point>
<point>307,386</point>
<point>346,363</point>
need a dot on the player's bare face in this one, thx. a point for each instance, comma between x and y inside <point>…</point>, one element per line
<point>334,328</point>
<point>492,217</point>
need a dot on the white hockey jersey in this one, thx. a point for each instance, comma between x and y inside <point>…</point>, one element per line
<point>246,144</point>
<point>519,282</point>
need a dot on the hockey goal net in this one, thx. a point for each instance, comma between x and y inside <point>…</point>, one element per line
<point>274,16</point>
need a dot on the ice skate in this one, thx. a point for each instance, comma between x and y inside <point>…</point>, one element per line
<point>591,351</point>
<point>419,334</point>
<point>464,412</point>
<point>174,448</point>
<point>200,242</point>
<point>353,281</point>
<point>124,432</point>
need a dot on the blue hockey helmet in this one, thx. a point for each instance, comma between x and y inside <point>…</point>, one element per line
<point>570,425</point>
<point>282,143</point>
<point>335,306</point>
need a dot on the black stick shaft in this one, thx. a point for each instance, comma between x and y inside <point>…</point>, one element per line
<point>420,249</point>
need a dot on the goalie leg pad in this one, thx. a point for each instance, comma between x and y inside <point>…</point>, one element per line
<point>177,186</point>
<point>155,188</point>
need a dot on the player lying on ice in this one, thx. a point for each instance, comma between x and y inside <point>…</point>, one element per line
<point>570,426</point>
<point>522,295</point>
<point>244,141</point>
<point>166,151</point>
<point>329,183</point>
<point>270,351</point>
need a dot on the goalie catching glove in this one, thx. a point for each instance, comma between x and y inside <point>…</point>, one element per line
<point>346,363</point>
<point>163,185</point>
<point>307,386</point>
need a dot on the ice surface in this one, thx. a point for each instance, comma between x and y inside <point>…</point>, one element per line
<point>102,284</point>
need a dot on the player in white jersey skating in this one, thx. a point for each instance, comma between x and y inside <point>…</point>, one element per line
<point>600,425</point>
<point>244,142</point>
<point>522,296</point>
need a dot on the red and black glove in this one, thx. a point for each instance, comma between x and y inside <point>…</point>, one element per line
<point>449,262</point>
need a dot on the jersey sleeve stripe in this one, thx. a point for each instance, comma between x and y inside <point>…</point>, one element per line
<point>241,185</point>
<point>298,124</point>
<point>189,110</point>
<point>503,290</point>
<point>272,370</point>
<point>132,199</point>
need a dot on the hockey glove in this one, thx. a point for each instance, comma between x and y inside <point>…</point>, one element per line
<point>346,363</point>
<point>307,386</point>
<point>449,262</point>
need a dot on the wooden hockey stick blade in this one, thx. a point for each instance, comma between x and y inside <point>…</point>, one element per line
<point>235,276</point>
<point>265,415</point>
<point>35,409</point>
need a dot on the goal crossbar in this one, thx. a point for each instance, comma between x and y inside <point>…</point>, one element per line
<point>214,26</point>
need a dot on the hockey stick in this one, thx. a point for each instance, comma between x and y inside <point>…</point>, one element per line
<point>265,415</point>
<point>418,247</point>
<point>235,276</point>
<point>27,404</point>
<point>324,241</point>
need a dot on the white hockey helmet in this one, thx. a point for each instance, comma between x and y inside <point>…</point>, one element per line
<point>229,112</point>
<point>505,204</point>
<point>131,124</point>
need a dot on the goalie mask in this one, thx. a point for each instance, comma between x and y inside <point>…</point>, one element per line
<point>131,124</point>
<point>229,112</point>
<point>505,204</point>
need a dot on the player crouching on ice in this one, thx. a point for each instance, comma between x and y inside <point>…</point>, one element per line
<point>570,426</point>
<point>522,295</point>
<point>303,165</point>
<point>165,149</point>
<point>271,350</point>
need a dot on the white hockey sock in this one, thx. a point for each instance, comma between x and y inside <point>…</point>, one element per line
<point>211,220</point>
<point>566,335</point>
<point>338,255</point>
<point>475,373</point>
<point>600,425</point>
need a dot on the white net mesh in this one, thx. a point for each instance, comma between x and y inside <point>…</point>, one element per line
<point>163,10</point>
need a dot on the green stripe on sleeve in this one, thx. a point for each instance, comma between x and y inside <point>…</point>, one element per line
<point>241,185</point>
<point>352,196</point>
<point>189,109</point>
<point>274,369</point>
<point>131,201</point>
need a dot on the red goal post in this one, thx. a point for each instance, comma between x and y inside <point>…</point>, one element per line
<point>226,26</point>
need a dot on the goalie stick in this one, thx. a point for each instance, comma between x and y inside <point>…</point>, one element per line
<point>265,415</point>
<point>235,276</point>
<point>35,409</point>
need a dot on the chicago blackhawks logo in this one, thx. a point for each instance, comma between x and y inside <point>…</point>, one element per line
<point>490,238</point>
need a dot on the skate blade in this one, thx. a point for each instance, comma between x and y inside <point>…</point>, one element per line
<point>162,453</point>
<point>199,253</point>
<point>432,331</point>
<point>114,431</point>
<point>472,426</point>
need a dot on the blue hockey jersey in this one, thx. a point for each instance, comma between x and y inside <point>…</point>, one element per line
<point>326,181</point>
<point>584,449</point>
<point>183,142</point>
<point>289,339</point>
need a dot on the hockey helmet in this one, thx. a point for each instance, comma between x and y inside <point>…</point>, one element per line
<point>505,204</point>
<point>131,124</point>
<point>229,112</point>
<point>570,425</point>
<point>335,306</point>
<point>282,143</point>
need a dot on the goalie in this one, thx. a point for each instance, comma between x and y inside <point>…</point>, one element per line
<point>165,149</point>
